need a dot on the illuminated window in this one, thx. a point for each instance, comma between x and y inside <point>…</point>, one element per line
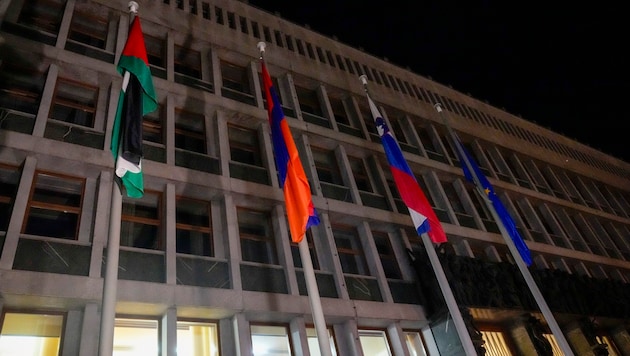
<point>197,339</point>
<point>374,342</point>
<point>415,343</point>
<point>270,340</point>
<point>31,334</point>
<point>135,337</point>
<point>313,342</point>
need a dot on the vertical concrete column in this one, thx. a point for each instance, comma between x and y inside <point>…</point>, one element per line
<point>101,222</point>
<point>168,337</point>
<point>90,327</point>
<point>17,218</point>
<point>72,330</point>
<point>299,338</point>
<point>242,335</point>
<point>577,340</point>
<point>396,337</point>
<point>227,337</point>
<point>45,101</point>
<point>170,235</point>
<point>347,336</point>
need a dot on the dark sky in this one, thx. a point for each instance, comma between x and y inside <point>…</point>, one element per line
<point>561,65</point>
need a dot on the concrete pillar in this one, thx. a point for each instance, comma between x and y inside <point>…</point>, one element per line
<point>621,338</point>
<point>168,337</point>
<point>89,333</point>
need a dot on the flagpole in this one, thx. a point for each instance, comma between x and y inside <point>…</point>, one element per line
<point>449,298</point>
<point>540,300</point>
<point>110,282</point>
<point>309,276</point>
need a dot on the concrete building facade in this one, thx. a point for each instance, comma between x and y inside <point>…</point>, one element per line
<point>206,263</point>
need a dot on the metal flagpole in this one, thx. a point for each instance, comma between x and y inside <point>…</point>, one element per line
<point>313,297</point>
<point>449,298</point>
<point>110,282</point>
<point>447,292</point>
<point>309,277</point>
<point>540,300</point>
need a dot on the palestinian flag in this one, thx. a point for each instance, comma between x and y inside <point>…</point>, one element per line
<point>137,98</point>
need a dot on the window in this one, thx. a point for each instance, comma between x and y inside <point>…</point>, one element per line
<point>153,145</point>
<point>464,218</point>
<point>245,155</point>
<point>278,37</point>
<point>313,342</point>
<point>270,339</point>
<point>311,106</point>
<point>54,206</point>
<point>255,29</point>
<point>236,83</point>
<point>403,133</point>
<point>329,175</point>
<point>386,255</point>
<point>480,205</point>
<point>430,142</point>
<point>44,17</point>
<point>136,336</point>
<point>9,180</point>
<point>190,132</point>
<point>194,227</point>
<point>243,24</point>
<point>205,10</point>
<point>267,34</point>
<point>24,333</point>
<point>368,119</point>
<point>197,338</point>
<point>231,20</point>
<point>515,166</point>
<point>20,93</point>
<point>415,343</point>
<point>374,342</point>
<point>495,342</point>
<point>257,236</point>
<point>74,102</point>
<point>219,15</point>
<point>89,30</point>
<point>191,145</point>
<point>156,53</point>
<point>346,119</point>
<point>295,252</point>
<point>350,251</point>
<point>141,222</point>
<point>537,177</point>
<point>89,25</point>
<point>369,190</point>
<point>187,62</point>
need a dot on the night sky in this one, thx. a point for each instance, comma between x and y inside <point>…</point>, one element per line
<point>562,66</point>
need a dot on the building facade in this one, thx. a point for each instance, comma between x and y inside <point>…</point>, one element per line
<point>206,265</point>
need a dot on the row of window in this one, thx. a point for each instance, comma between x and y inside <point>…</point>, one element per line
<point>37,333</point>
<point>92,30</point>
<point>56,209</point>
<point>306,49</point>
<point>74,117</point>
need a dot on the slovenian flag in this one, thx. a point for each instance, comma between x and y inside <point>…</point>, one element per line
<point>488,191</point>
<point>137,98</point>
<point>297,192</point>
<point>422,214</point>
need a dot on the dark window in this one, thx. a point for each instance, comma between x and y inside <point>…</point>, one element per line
<point>9,180</point>
<point>74,102</point>
<point>54,206</point>
<point>187,62</point>
<point>244,145</point>
<point>295,252</point>
<point>141,222</point>
<point>190,133</point>
<point>386,255</point>
<point>231,20</point>
<point>257,236</point>
<point>218,13</point>
<point>350,251</point>
<point>194,227</point>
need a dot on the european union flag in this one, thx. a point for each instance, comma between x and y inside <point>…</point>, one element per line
<point>500,209</point>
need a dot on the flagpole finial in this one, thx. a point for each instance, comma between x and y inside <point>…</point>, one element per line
<point>261,47</point>
<point>133,7</point>
<point>438,107</point>
<point>363,79</point>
